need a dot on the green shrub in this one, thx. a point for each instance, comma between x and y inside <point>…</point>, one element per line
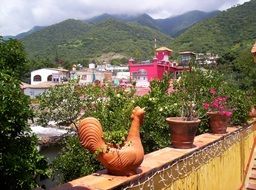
<point>113,106</point>
<point>60,104</point>
<point>12,58</point>
<point>20,161</point>
<point>74,161</point>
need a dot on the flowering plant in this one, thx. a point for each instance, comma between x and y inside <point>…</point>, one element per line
<point>218,104</point>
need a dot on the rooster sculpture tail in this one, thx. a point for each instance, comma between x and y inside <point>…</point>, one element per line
<point>91,134</point>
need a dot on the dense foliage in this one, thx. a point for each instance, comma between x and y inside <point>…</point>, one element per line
<point>60,104</point>
<point>74,161</point>
<point>229,29</point>
<point>112,106</point>
<point>20,162</point>
<point>12,57</point>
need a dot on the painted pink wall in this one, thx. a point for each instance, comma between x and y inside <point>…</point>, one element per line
<point>156,68</point>
<point>160,54</point>
<point>150,68</point>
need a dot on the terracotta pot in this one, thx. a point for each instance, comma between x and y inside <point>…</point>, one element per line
<point>218,122</point>
<point>182,132</point>
<point>252,112</point>
<point>118,161</point>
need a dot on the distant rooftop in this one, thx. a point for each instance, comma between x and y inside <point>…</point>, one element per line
<point>186,52</point>
<point>42,85</point>
<point>163,49</point>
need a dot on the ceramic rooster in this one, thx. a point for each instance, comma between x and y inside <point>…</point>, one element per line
<point>122,161</point>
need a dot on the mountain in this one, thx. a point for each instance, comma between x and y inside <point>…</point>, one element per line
<point>142,19</point>
<point>174,26</point>
<point>229,30</point>
<point>74,40</point>
<point>24,34</point>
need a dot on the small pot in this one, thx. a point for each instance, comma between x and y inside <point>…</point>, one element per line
<point>218,122</point>
<point>252,112</point>
<point>182,132</point>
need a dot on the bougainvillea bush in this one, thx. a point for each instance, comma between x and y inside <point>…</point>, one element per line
<point>218,104</point>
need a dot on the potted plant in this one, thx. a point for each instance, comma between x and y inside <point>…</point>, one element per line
<point>183,129</point>
<point>252,113</point>
<point>117,160</point>
<point>219,112</point>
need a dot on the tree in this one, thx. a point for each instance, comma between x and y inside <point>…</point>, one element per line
<point>12,57</point>
<point>61,104</point>
<point>20,161</point>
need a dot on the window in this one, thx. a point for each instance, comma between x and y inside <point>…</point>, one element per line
<point>37,78</point>
<point>84,77</point>
<point>49,78</point>
<point>55,79</point>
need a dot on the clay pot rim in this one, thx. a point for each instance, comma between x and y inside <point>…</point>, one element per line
<point>181,120</point>
<point>212,112</point>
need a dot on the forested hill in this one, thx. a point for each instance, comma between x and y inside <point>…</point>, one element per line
<point>74,40</point>
<point>175,26</point>
<point>172,26</point>
<point>231,29</point>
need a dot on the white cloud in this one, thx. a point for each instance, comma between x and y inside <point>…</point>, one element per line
<point>21,15</point>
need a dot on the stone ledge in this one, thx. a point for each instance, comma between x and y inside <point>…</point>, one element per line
<point>152,162</point>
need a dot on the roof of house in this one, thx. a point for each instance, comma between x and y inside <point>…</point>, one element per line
<point>187,52</point>
<point>163,49</point>
<point>53,69</point>
<point>24,85</point>
<point>254,48</point>
<point>44,85</point>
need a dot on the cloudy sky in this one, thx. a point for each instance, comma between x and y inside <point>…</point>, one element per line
<point>18,16</point>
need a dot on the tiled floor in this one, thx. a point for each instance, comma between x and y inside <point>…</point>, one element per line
<point>251,180</point>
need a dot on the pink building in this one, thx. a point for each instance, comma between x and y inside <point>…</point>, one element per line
<point>145,71</point>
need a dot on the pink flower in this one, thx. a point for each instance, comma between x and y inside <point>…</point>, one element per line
<point>215,103</point>
<point>227,113</point>
<point>218,103</point>
<point>206,106</point>
<point>213,91</point>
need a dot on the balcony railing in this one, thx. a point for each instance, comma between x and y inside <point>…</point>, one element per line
<point>217,162</point>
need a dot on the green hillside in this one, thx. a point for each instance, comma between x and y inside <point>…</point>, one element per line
<point>45,42</point>
<point>175,26</point>
<point>74,40</point>
<point>231,29</point>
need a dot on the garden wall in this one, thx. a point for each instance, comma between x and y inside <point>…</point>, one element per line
<point>216,162</point>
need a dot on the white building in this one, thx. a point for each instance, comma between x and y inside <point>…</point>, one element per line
<point>112,68</point>
<point>49,75</point>
<point>206,58</point>
<point>35,90</point>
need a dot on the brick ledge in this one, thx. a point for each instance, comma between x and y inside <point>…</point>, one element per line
<point>102,181</point>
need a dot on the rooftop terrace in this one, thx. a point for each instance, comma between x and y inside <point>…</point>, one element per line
<point>215,162</point>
